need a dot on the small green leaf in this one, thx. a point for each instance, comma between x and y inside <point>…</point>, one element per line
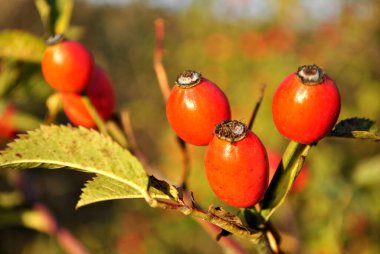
<point>55,14</point>
<point>361,128</point>
<point>20,45</point>
<point>284,177</point>
<point>102,188</point>
<point>82,149</point>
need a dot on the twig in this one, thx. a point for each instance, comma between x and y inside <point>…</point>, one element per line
<point>229,245</point>
<point>165,90</point>
<point>158,54</point>
<point>257,107</point>
<point>48,224</point>
<point>41,219</point>
<point>133,146</point>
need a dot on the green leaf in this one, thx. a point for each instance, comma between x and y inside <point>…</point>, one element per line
<point>102,188</point>
<point>55,14</point>
<point>82,149</point>
<point>20,45</point>
<point>284,177</point>
<point>360,128</point>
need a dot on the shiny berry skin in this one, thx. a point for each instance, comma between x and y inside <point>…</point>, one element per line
<point>67,66</point>
<point>194,106</point>
<point>236,165</point>
<point>306,105</point>
<point>101,94</point>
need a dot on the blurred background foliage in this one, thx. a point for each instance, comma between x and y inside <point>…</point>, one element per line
<point>240,45</point>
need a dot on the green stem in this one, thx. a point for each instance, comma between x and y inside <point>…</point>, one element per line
<point>284,177</point>
<point>110,129</point>
<point>117,134</point>
<point>94,114</point>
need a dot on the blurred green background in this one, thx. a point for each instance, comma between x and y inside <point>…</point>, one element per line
<point>239,45</point>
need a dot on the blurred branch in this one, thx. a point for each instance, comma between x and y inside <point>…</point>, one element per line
<point>158,55</point>
<point>41,219</point>
<point>133,146</point>
<point>165,90</point>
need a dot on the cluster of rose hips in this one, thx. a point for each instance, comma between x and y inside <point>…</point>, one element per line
<point>69,68</point>
<point>305,107</point>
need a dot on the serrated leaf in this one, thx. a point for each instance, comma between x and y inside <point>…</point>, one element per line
<point>361,128</point>
<point>55,14</point>
<point>284,178</point>
<point>82,149</point>
<point>102,188</point>
<point>20,45</point>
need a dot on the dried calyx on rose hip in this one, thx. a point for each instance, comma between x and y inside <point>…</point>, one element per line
<point>66,65</point>
<point>306,105</point>
<point>194,106</point>
<point>236,164</point>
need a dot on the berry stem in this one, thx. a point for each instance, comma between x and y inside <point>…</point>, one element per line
<point>94,114</point>
<point>110,129</point>
<point>54,106</point>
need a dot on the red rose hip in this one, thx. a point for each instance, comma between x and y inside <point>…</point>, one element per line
<point>306,105</point>
<point>236,165</point>
<point>194,106</point>
<point>101,94</point>
<point>66,65</point>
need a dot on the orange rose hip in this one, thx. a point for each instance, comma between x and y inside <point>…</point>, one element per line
<point>194,106</point>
